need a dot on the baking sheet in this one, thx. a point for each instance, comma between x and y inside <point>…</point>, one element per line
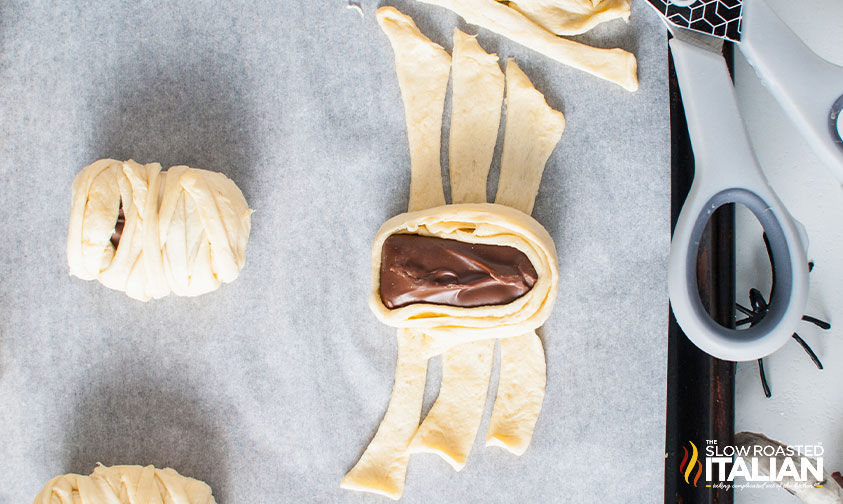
<point>270,388</point>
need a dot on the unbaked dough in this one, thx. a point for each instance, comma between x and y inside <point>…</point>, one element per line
<point>125,485</point>
<point>446,326</point>
<point>185,230</point>
<point>520,393</point>
<point>465,335</point>
<point>614,65</point>
<point>531,133</point>
<point>477,95</point>
<point>571,17</point>
<point>422,67</point>
<point>382,467</point>
<point>451,425</point>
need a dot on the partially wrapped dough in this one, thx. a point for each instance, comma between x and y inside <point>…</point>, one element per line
<point>485,223</point>
<point>465,335</point>
<point>185,230</point>
<point>126,485</point>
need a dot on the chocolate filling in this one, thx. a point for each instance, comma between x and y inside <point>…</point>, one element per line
<point>118,227</point>
<point>424,269</point>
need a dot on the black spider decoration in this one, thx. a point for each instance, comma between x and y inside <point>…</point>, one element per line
<point>759,309</point>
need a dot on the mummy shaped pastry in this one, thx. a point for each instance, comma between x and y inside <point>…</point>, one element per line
<point>455,278</point>
<point>148,233</point>
<point>125,485</point>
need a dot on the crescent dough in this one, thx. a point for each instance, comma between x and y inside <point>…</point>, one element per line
<point>125,485</point>
<point>422,67</point>
<point>475,117</point>
<point>451,425</point>
<point>466,335</point>
<point>446,326</point>
<point>520,393</point>
<point>614,65</point>
<point>571,17</point>
<point>185,230</point>
<point>382,467</point>
<point>532,131</point>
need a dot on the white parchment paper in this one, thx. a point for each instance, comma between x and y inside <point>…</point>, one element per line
<point>270,388</point>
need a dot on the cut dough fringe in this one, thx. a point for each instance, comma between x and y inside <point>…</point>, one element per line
<point>520,393</point>
<point>531,133</point>
<point>466,336</point>
<point>423,68</point>
<point>475,117</point>
<point>451,425</point>
<point>125,485</point>
<point>382,467</point>
<point>185,230</point>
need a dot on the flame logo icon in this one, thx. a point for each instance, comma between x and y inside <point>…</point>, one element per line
<point>686,467</point>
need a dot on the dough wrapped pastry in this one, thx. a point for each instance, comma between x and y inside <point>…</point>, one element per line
<point>125,485</point>
<point>486,223</point>
<point>148,233</point>
<point>455,278</point>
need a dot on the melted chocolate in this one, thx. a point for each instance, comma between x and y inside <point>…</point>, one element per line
<point>424,269</point>
<point>118,227</point>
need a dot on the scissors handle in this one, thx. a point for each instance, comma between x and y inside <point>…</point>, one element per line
<point>809,88</point>
<point>726,171</point>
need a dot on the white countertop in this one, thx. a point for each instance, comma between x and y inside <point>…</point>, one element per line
<point>807,404</point>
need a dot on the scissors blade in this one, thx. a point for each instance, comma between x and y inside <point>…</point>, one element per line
<point>707,42</point>
<point>715,18</point>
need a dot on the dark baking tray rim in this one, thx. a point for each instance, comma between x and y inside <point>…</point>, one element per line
<point>700,388</point>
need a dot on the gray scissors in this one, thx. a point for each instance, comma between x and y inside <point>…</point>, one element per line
<point>810,90</point>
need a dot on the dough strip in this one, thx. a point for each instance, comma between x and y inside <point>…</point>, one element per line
<point>531,133</point>
<point>478,86</point>
<point>451,425</point>
<point>614,65</point>
<point>521,391</point>
<point>571,17</point>
<point>422,67</point>
<point>222,256</point>
<point>383,466</point>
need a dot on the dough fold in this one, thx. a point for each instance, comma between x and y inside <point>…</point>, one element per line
<point>125,485</point>
<point>185,230</point>
<point>423,68</point>
<point>446,326</point>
